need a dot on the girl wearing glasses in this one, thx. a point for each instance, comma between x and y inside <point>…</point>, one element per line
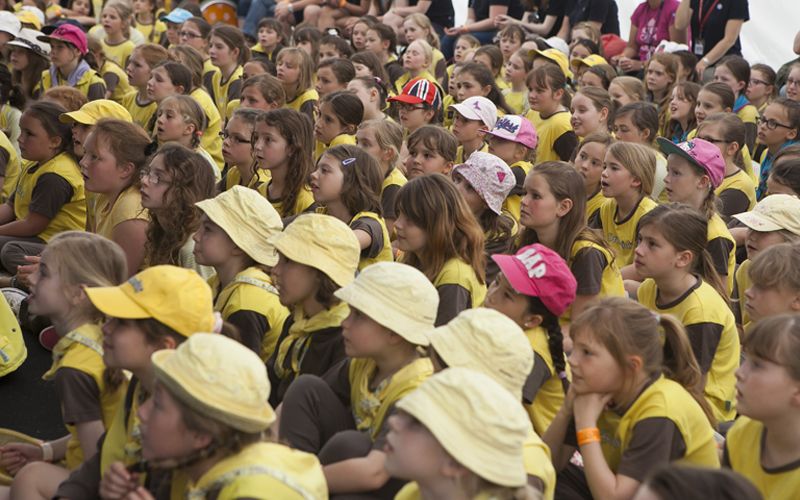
<point>237,149</point>
<point>194,32</point>
<point>761,89</point>
<point>778,127</point>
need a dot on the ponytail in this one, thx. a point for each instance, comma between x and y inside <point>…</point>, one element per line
<point>555,338</point>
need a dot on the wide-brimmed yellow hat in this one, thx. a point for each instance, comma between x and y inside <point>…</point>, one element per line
<point>556,56</point>
<point>480,424</point>
<point>174,296</point>
<point>322,242</point>
<point>248,218</point>
<point>396,296</point>
<point>489,342</point>
<point>590,60</point>
<point>94,111</point>
<point>219,378</point>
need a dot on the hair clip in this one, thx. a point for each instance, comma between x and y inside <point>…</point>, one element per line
<point>378,80</point>
<point>348,161</point>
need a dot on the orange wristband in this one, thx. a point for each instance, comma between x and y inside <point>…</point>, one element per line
<point>586,436</point>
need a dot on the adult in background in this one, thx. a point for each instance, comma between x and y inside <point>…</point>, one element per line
<point>715,27</point>
<point>440,12</point>
<point>545,17</point>
<point>602,14</point>
<point>484,29</point>
<point>651,22</point>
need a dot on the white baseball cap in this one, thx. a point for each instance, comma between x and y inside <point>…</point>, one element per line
<point>9,23</point>
<point>478,108</point>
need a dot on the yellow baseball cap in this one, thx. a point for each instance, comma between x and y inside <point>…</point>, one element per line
<point>248,219</point>
<point>487,341</point>
<point>590,60</point>
<point>172,295</point>
<point>481,425</point>
<point>322,242</point>
<point>773,213</point>
<point>219,378</point>
<point>556,56</point>
<point>93,111</point>
<point>29,17</point>
<point>396,296</point>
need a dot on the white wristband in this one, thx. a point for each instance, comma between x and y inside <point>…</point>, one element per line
<point>707,61</point>
<point>47,452</point>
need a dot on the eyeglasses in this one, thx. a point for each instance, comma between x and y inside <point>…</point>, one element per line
<point>771,123</point>
<point>756,81</point>
<point>189,34</point>
<point>235,138</point>
<point>712,140</point>
<point>404,106</point>
<point>792,81</point>
<point>151,177</point>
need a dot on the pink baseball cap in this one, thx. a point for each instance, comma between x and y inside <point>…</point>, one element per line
<point>537,271</point>
<point>698,152</point>
<point>70,34</point>
<point>516,128</point>
<point>490,176</point>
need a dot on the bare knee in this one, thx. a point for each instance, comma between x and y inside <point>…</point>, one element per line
<point>37,480</point>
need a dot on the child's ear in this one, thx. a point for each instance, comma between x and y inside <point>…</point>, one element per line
<point>387,155</point>
<point>54,142</point>
<point>684,259</point>
<point>795,305</point>
<point>635,363</point>
<point>351,129</point>
<point>791,134</point>
<point>704,182</point>
<point>532,321</point>
<point>127,169</point>
<point>182,90</point>
<point>604,114</point>
<point>429,114</point>
<point>732,148</point>
<point>448,168</point>
<point>564,207</point>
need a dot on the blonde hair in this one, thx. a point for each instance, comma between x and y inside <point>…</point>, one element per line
<point>626,328</point>
<point>632,86</point>
<point>425,48</point>
<point>777,266</point>
<point>304,63</point>
<point>125,13</point>
<point>422,22</point>
<point>639,160</point>
<point>191,112</point>
<point>776,339</point>
<point>388,135</point>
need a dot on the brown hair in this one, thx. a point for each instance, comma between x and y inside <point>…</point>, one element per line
<point>732,130</point>
<point>686,482</point>
<point>776,339</point>
<point>686,229</point>
<point>671,64</point>
<point>347,108</point>
<point>191,112</point>
<point>234,39</point>
<point>423,22</point>
<point>434,204</point>
<point>153,54</point>
<point>362,179</point>
<point>304,63</point>
<point>269,87</point>
<point>179,75</point>
<point>436,139</point>
<point>722,91</point>
<point>70,98</point>
<point>342,69</point>
<point>644,116</point>
<point>485,78</point>
<point>600,99</point>
<point>126,141</point>
<point>639,160</point>
<point>787,172</point>
<point>632,86</point>
<point>778,266</point>
<point>687,91</point>
<point>388,135</point>
<point>550,77</point>
<point>192,59</point>
<point>626,328</point>
<point>371,61</point>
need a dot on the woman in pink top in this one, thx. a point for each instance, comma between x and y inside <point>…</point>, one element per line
<point>651,22</point>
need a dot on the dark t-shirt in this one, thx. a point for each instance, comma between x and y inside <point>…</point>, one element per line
<point>481,8</point>
<point>714,29</point>
<point>601,11</point>
<point>440,12</point>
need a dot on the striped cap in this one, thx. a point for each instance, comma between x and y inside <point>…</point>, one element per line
<point>418,91</point>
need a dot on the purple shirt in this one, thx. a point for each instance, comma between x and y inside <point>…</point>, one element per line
<point>652,25</point>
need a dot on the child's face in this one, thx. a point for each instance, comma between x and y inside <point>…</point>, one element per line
<point>594,370</point>
<point>682,183</point>
<point>757,88</point>
<point>616,180</point>
<point>295,282</point>
<point>373,43</point>
<point>654,256</point>
<point>159,86</point>
<point>288,70</point>
<point>764,389</point>
<point>327,82</point>
<point>793,84</point>
<point>368,99</point>
<point>756,241</point>
<point>190,35</point>
<point>515,70</point>
<point>101,173</point>
<point>714,133</point>
<point>252,98</point>
<point>80,133</point>
<point>81,7</point>
<point>251,69</point>
<point>508,151</point>
<point>50,296</point>
<point>422,160</point>
<point>267,38</point>
<point>362,70</point>
<point>34,143</point>
<point>221,55</point>
<point>468,86</point>
<point>172,33</point>
<point>723,75</point>
<point>452,83</point>
<point>679,107</point>
<point>413,116</point>
<point>138,70</point>
<point>656,77</point>
<point>413,32</point>
<point>363,336</point>
<point>410,237</point>
<point>62,54</point>
<point>585,116</point>
<point>358,36</point>
<point>171,126</point>
<point>19,58</point>
<point>112,22</point>
<point>485,60</point>
<point>412,453</point>
<point>589,79</point>
<point>164,433</point>
<point>627,131</point>
<point>471,196</point>
<point>414,59</point>
<point>618,95</point>
<point>579,52</point>
<point>707,104</point>
<point>212,245</point>
<point>777,115</point>
<point>155,183</point>
<point>125,345</point>
<point>504,299</point>
<point>270,147</point>
<point>460,49</point>
<point>539,208</point>
<point>589,163</point>
<point>775,187</point>
<point>509,45</point>
<point>328,125</point>
<point>327,180</point>
<point>306,46</point>
<point>236,146</point>
<point>542,99</point>
<point>365,138</point>
<point>467,130</point>
<point>763,302</point>
<point>328,51</point>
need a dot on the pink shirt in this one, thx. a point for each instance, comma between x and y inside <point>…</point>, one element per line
<point>652,25</point>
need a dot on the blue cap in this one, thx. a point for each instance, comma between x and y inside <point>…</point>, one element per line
<point>177,16</point>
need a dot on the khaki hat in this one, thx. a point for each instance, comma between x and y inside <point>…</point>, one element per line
<point>174,296</point>
<point>489,342</point>
<point>219,378</point>
<point>396,296</point>
<point>481,425</point>
<point>94,111</point>
<point>322,242</point>
<point>248,219</point>
<point>773,213</point>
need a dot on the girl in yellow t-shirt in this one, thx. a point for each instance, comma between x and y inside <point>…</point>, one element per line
<point>438,235</point>
<point>147,22</point>
<point>284,143</point>
<point>680,279</point>
<point>549,112</point>
<point>635,399</point>
<point>181,119</point>
<point>340,113</point>
<point>517,67</point>
<point>347,185</point>
<point>417,26</point>
<point>262,92</point>
<point>237,149</point>
<point>416,61</point>
<point>115,76</point>
<point>228,51</point>
<point>194,33</point>
<point>589,163</point>
<point>88,391</point>
<point>637,123</point>
<point>333,74</point>
<point>117,17</point>
<point>762,444</point>
<point>139,104</point>
<point>734,71</point>
<point>295,70</point>
<point>116,153</point>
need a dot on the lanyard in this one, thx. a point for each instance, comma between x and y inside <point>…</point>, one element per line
<point>702,20</point>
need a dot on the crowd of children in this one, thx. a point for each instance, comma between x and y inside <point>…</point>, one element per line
<point>312,263</point>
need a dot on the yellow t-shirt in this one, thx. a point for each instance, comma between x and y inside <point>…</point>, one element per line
<point>141,112</point>
<point>123,87</point>
<point>118,53</point>
<point>12,346</point>
<point>738,181</point>
<point>152,32</point>
<point>339,140</point>
<point>742,283</point>
<point>300,102</point>
<point>549,130</point>
<point>594,203</point>
<point>13,168</point>
<point>621,233</point>
<point>717,230</point>
<point>517,101</point>
<point>406,77</point>
<point>460,152</point>
<point>748,114</point>
<point>227,90</point>
<point>513,202</point>
<point>210,141</point>
<point>258,181</point>
<point>128,206</point>
<point>704,312</point>
<point>304,201</point>
<point>457,272</point>
<point>550,396</point>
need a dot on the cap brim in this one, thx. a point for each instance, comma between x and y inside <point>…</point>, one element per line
<point>466,112</point>
<point>77,117</point>
<point>757,222</point>
<point>510,267</point>
<point>113,302</point>
<point>668,148</point>
<point>408,99</point>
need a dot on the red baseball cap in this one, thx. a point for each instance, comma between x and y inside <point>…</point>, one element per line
<point>418,91</point>
<point>537,271</point>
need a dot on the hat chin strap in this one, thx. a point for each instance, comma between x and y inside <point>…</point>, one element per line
<point>179,462</point>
